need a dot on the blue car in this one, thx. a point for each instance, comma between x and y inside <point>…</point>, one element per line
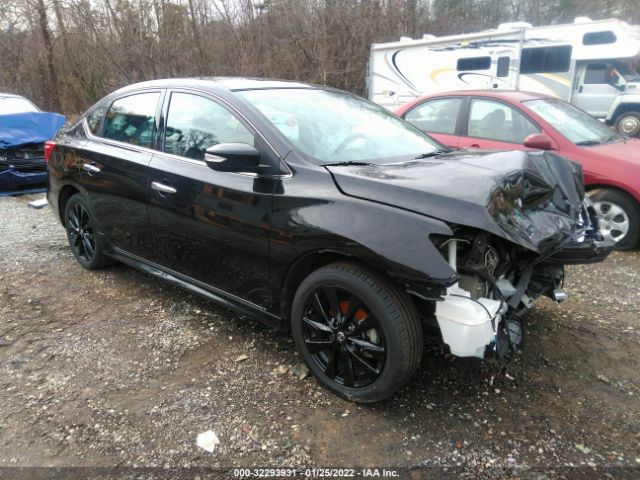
<point>23,131</point>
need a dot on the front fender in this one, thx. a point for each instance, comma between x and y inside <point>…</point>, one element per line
<point>620,101</point>
<point>320,218</point>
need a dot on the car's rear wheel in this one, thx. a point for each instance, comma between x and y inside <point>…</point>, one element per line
<point>83,238</point>
<point>357,332</point>
<point>628,123</point>
<point>618,217</point>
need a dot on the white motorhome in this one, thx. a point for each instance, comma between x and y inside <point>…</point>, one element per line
<point>591,64</point>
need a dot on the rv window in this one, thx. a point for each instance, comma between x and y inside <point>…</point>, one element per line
<point>599,38</point>
<point>596,74</point>
<point>546,59</point>
<point>474,63</point>
<point>436,116</point>
<point>497,121</point>
<point>503,67</point>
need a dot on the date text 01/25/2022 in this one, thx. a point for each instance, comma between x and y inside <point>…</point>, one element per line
<point>314,473</point>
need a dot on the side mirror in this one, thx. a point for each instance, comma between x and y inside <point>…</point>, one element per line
<point>232,157</point>
<point>539,141</point>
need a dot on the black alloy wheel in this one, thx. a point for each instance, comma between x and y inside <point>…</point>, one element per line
<point>343,337</point>
<point>357,331</point>
<point>82,234</point>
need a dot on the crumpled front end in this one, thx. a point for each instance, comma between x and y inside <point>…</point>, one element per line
<point>22,137</point>
<point>22,168</point>
<point>539,205</point>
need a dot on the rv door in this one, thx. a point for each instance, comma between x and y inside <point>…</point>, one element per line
<point>597,85</point>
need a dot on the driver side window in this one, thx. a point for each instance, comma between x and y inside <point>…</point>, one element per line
<point>195,123</point>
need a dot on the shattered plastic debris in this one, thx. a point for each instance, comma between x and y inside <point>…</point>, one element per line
<point>208,441</point>
<point>37,204</point>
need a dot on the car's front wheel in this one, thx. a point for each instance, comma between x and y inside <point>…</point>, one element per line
<point>357,332</point>
<point>82,234</point>
<point>618,217</point>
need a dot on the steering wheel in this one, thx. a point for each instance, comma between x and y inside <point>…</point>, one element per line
<point>349,139</point>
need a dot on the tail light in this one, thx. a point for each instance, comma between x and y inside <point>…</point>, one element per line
<point>48,148</point>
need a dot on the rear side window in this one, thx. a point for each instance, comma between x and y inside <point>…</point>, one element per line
<point>436,116</point>
<point>195,123</point>
<point>497,121</point>
<point>474,63</point>
<point>131,119</point>
<point>546,59</point>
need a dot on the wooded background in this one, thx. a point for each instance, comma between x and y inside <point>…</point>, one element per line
<point>66,54</point>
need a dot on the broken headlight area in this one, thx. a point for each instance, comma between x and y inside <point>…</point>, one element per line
<point>22,167</point>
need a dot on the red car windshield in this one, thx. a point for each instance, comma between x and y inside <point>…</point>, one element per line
<point>577,126</point>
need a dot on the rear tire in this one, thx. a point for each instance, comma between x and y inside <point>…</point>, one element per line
<point>79,221</point>
<point>618,217</point>
<point>628,123</point>
<point>368,342</point>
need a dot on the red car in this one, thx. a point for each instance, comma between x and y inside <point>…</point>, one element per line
<point>513,120</point>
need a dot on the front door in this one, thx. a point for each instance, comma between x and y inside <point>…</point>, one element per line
<point>495,125</point>
<point>210,226</point>
<point>596,88</point>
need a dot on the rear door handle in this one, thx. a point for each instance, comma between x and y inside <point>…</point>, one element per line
<point>474,145</point>
<point>91,168</point>
<point>161,187</point>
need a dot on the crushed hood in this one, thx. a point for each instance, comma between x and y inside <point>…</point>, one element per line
<point>532,199</point>
<point>19,129</point>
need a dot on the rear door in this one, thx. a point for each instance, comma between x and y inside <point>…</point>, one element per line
<point>491,124</point>
<point>114,168</point>
<point>438,117</point>
<point>210,226</point>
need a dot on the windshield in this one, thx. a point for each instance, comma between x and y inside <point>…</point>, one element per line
<point>627,71</point>
<point>336,127</point>
<point>9,105</point>
<point>578,126</point>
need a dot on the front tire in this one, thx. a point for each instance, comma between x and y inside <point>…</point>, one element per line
<point>628,123</point>
<point>82,234</point>
<point>618,217</point>
<point>357,332</point>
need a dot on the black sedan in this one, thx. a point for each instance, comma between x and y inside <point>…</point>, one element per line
<point>313,209</point>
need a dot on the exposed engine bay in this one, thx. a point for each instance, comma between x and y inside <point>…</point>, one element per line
<point>480,315</point>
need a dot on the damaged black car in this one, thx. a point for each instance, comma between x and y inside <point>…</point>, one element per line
<point>315,210</point>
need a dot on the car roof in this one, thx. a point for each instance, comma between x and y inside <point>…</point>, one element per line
<point>229,84</point>
<point>10,95</point>
<point>516,95</point>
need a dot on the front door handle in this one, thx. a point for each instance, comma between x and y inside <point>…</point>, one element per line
<point>580,89</point>
<point>90,168</point>
<point>162,188</point>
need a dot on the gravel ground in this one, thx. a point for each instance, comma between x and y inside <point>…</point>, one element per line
<point>113,368</point>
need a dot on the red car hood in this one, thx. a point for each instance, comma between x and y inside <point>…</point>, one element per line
<point>627,150</point>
